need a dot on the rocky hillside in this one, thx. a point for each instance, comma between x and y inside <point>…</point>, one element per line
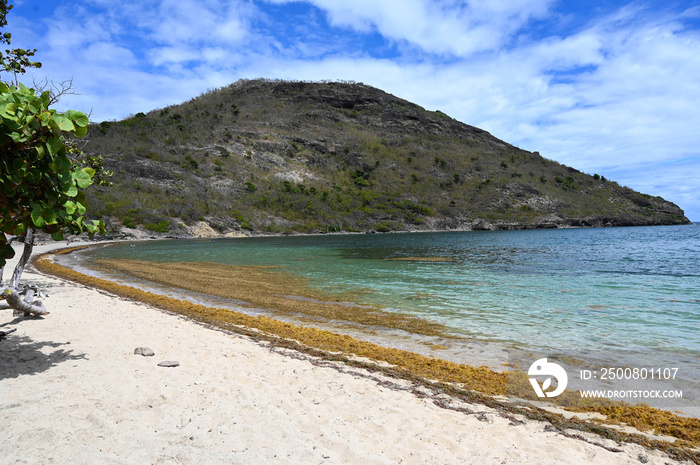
<point>277,156</point>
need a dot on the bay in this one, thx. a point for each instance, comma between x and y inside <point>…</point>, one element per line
<point>627,293</point>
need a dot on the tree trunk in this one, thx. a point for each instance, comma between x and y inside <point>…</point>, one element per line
<point>26,253</point>
<point>22,300</point>
<point>9,241</point>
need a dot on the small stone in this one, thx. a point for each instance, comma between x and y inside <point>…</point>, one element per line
<point>145,351</point>
<point>169,363</point>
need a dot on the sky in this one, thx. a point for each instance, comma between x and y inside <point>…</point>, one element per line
<point>608,87</point>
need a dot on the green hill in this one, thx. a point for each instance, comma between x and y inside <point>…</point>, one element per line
<point>277,156</point>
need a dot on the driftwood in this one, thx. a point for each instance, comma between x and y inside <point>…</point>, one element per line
<point>24,302</point>
<point>16,298</point>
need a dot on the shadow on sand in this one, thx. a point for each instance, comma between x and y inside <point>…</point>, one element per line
<point>20,355</point>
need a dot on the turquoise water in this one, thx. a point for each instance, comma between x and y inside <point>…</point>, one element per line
<point>573,289</point>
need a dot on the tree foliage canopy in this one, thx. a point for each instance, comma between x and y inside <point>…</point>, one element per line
<point>13,60</point>
<point>41,172</point>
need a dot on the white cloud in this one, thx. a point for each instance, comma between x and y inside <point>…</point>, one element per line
<point>173,54</point>
<point>458,28</point>
<point>109,52</point>
<point>189,21</point>
<point>673,181</point>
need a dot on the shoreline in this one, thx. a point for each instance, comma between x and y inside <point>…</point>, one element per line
<point>459,349</point>
<point>140,317</point>
<point>146,235</point>
<point>474,351</point>
<point>396,344</point>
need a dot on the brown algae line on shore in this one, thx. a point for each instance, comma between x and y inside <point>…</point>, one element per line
<point>481,382</point>
<point>270,288</point>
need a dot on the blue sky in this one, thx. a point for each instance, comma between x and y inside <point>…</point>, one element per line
<point>608,87</point>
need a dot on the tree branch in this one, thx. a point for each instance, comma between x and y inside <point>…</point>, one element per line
<point>56,91</point>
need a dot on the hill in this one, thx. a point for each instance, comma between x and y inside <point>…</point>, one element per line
<point>278,156</point>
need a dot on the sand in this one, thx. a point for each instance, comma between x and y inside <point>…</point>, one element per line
<point>73,392</point>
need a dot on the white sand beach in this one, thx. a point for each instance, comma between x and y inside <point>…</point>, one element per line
<point>72,391</point>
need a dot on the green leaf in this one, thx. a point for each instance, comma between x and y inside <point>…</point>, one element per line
<point>20,229</point>
<point>63,123</point>
<point>16,136</point>
<point>50,197</point>
<point>82,179</point>
<point>62,163</point>
<point>55,145</point>
<point>78,118</point>
<point>34,175</point>
<point>43,217</point>
<point>19,166</point>
<point>15,178</point>
<point>65,179</point>
<point>72,191</point>
<point>7,227</point>
<point>10,109</point>
<point>37,219</point>
<point>49,216</point>
<point>96,227</point>
<point>70,207</point>
<point>80,131</point>
<point>81,208</point>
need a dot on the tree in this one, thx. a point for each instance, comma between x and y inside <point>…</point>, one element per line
<point>16,60</point>
<point>42,173</point>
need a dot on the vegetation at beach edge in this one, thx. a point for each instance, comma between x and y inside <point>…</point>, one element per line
<point>43,173</point>
<point>481,384</point>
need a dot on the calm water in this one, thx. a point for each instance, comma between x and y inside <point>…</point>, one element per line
<point>608,288</point>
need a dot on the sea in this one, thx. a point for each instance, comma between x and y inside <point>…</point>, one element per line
<point>622,297</point>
